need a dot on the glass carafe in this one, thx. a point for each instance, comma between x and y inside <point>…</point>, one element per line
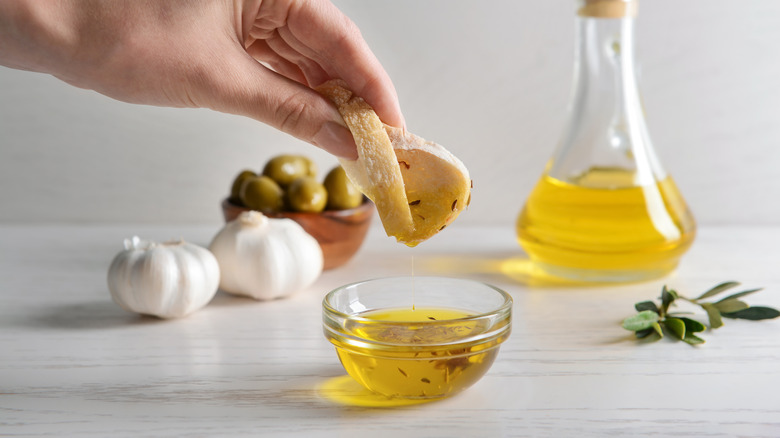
<point>605,209</point>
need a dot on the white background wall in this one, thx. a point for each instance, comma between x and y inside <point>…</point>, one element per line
<point>489,80</point>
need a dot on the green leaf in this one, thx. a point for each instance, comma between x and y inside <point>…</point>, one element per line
<point>755,313</point>
<point>676,326</point>
<point>742,294</point>
<point>640,321</point>
<point>693,326</point>
<point>713,314</point>
<point>692,339</point>
<point>731,306</point>
<point>643,333</point>
<point>718,289</point>
<point>658,331</point>
<point>646,305</point>
<point>667,297</point>
<point>649,335</point>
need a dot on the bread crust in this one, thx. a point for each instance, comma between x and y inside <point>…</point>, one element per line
<point>376,171</point>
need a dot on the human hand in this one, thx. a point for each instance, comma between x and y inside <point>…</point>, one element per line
<point>205,53</point>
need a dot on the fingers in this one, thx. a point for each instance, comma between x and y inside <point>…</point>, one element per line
<point>257,92</point>
<point>262,52</point>
<point>306,43</point>
<point>314,73</point>
<point>317,30</point>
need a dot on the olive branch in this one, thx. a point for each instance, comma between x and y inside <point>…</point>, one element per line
<point>653,321</point>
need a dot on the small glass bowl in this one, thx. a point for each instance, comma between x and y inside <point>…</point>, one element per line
<point>417,337</point>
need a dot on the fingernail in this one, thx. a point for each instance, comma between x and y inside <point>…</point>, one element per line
<point>337,140</point>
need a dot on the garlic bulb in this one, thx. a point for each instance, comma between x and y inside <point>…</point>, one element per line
<point>265,258</point>
<point>168,280</point>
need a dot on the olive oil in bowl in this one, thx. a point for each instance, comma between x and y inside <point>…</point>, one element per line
<point>426,352</point>
<point>430,361</point>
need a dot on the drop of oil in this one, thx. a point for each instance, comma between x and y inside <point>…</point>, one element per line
<point>413,291</point>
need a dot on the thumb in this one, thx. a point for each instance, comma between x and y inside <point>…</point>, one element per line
<point>284,104</point>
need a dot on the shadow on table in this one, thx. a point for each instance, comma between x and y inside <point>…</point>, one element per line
<point>224,299</point>
<point>346,391</point>
<point>494,267</point>
<point>102,314</point>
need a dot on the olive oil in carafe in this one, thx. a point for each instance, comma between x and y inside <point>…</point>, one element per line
<point>600,226</point>
<point>436,363</point>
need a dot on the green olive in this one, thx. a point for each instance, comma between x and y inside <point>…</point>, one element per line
<point>263,194</point>
<point>311,166</point>
<point>284,169</point>
<point>342,194</point>
<point>306,194</point>
<point>235,190</point>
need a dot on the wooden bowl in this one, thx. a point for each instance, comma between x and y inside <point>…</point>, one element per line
<point>340,233</point>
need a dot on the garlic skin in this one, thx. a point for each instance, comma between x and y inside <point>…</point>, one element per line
<point>265,258</point>
<point>167,280</point>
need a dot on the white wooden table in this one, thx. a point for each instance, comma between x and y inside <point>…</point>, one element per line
<point>72,363</point>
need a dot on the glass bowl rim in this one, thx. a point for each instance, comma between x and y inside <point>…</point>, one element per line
<point>504,307</point>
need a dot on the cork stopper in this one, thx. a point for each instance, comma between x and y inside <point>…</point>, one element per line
<point>608,8</point>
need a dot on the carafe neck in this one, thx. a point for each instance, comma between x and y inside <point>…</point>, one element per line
<point>606,127</point>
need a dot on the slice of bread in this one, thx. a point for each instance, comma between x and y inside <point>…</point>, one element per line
<point>418,186</point>
<point>375,172</point>
<point>436,182</point>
